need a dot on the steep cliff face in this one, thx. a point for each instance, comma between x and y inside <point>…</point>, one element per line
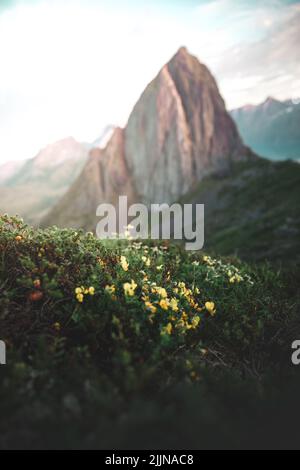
<point>178,132</point>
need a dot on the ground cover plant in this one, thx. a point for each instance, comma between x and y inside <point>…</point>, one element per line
<point>141,344</point>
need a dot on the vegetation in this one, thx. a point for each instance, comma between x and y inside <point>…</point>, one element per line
<point>254,212</point>
<point>130,345</point>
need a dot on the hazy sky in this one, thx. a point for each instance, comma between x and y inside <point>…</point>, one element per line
<point>70,67</point>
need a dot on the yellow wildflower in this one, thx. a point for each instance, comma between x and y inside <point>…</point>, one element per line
<point>164,304</point>
<point>210,307</point>
<point>149,306</point>
<point>208,260</point>
<point>79,297</point>
<point>195,321</point>
<point>129,288</point>
<point>110,289</point>
<point>92,290</point>
<point>184,316</point>
<point>167,329</point>
<point>78,290</point>
<point>124,263</point>
<point>161,291</point>
<point>235,278</point>
<point>146,260</point>
<point>174,304</point>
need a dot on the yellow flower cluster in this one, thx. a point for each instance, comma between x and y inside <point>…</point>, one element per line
<point>184,324</point>
<point>80,292</point>
<point>188,294</point>
<point>217,269</point>
<point>160,291</point>
<point>233,278</point>
<point>177,319</point>
<point>176,307</point>
<point>208,260</point>
<point>129,288</point>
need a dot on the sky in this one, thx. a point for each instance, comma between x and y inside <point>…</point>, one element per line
<point>72,67</point>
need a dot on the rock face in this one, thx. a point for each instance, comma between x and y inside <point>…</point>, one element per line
<point>178,132</point>
<point>271,128</point>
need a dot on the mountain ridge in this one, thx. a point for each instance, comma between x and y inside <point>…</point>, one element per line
<point>177,133</point>
<point>271,128</point>
<point>35,185</point>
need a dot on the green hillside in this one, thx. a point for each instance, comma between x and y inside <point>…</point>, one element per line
<point>139,345</point>
<point>254,212</point>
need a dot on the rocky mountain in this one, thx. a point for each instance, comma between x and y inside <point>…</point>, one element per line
<point>178,132</point>
<point>272,128</point>
<point>32,187</point>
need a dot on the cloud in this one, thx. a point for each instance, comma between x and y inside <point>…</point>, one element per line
<point>272,64</point>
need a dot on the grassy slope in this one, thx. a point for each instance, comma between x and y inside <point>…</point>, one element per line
<point>253,213</point>
<point>108,373</point>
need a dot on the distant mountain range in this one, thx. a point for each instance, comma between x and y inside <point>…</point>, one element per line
<point>178,132</point>
<point>31,187</point>
<point>272,129</point>
<point>8,170</point>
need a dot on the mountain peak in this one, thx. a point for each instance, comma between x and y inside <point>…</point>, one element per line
<point>182,56</point>
<point>183,51</point>
<point>178,132</point>
<point>270,99</point>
